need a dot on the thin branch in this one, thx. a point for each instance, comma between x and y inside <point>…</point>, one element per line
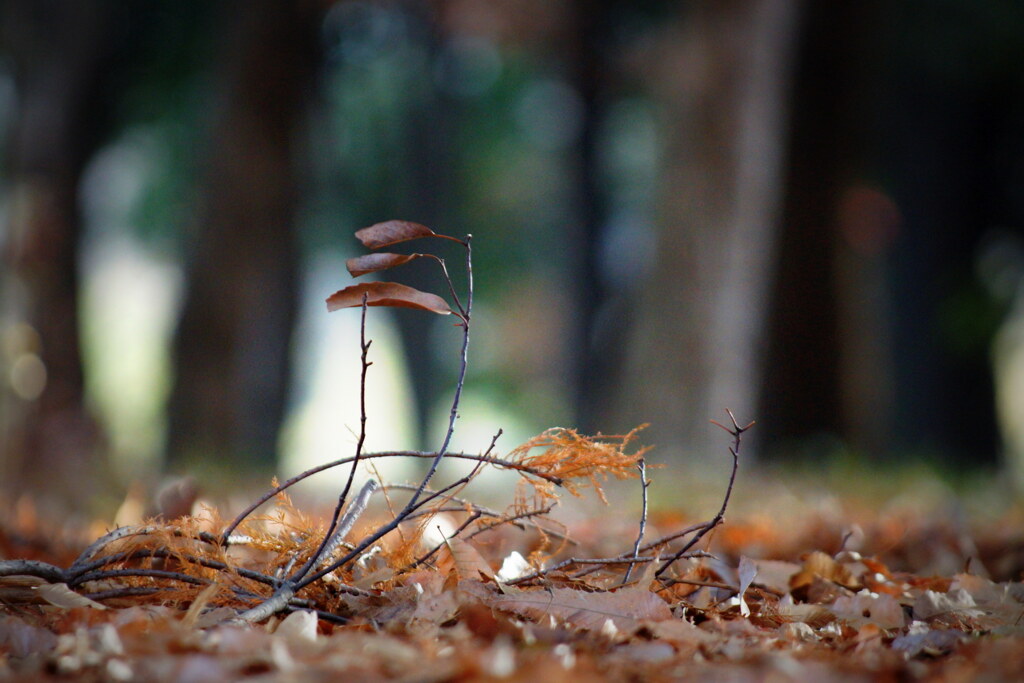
<point>126,592</point>
<point>152,573</point>
<point>734,450</point>
<point>451,285</point>
<point>600,561</point>
<point>463,365</point>
<point>355,510</point>
<point>642,466</point>
<point>42,570</point>
<point>488,460</point>
<point>514,521</point>
<point>462,527</point>
<point>272,605</point>
<point>453,416</point>
<point>142,530</point>
<point>321,551</point>
<point>652,545</point>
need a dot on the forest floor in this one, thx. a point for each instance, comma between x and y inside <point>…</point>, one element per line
<point>829,575</point>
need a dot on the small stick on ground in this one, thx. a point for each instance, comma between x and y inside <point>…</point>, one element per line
<point>644,483</point>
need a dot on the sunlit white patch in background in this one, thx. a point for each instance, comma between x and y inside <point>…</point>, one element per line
<point>323,424</point>
<point>130,299</point>
<point>129,305</point>
<point>481,415</point>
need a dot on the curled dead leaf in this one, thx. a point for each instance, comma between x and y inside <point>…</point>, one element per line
<point>372,263</point>
<point>820,565</point>
<point>387,294</point>
<point>392,232</point>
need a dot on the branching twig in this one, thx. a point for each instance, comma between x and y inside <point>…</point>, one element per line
<point>322,551</point>
<point>413,503</point>
<point>734,450</point>
<point>353,513</point>
<point>642,466</point>
<point>43,570</point>
<point>197,565</point>
<point>601,561</point>
<point>487,460</point>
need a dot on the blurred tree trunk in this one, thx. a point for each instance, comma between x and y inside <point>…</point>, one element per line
<point>594,357</point>
<point>828,372</point>
<point>59,51</point>
<point>722,77</point>
<point>427,200</point>
<point>232,344</point>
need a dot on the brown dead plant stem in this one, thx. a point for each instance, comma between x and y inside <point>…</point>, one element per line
<point>259,565</point>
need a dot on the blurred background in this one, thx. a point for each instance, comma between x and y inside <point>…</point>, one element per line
<point>810,213</point>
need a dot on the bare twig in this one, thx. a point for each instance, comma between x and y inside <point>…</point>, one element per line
<point>322,551</point>
<point>414,501</point>
<point>734,450</point>
<point>463,364</point>
<point>642,466</point>
<point>123,532</point>
<point>599,561</point>
<point>226,535</point>
<point>151,573</point>
<point>43,570</point>
<point>272,605</point>
<point>355,510</point>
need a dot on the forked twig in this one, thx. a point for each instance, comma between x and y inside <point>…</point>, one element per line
<point>642,466</point>
<point>734,450</point>
<point>334,532</point>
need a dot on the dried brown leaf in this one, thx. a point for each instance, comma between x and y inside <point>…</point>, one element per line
<point>469,563</point>
<point>387,294</point>
<point>372,263</point>
<point>820,565</point>
<point>392,232</point>
<point>627,609</point>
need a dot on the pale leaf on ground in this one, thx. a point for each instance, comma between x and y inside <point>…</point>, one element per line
<point>628,609</point>
<point>59,595</point>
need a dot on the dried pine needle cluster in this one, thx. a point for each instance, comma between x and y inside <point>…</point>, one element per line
<point>575,460</point>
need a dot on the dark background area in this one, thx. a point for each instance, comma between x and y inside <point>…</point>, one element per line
<point>810,213</point>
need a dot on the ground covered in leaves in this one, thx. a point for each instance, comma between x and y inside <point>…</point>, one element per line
<point>830,589</point>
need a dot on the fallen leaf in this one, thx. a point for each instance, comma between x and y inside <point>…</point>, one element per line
<point>775,574</point>
<point>469,563</point>
<point>59,595</point>
<point>18,639</point>
<point>387,294</point>
<point>199,604</point>
<point>627,609</point>
<point>866,607</point>
<point>747,571</point>
<point>298,627</point>
<point>958,601</point>
<point>920,638</point>
<point>818,564</point>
